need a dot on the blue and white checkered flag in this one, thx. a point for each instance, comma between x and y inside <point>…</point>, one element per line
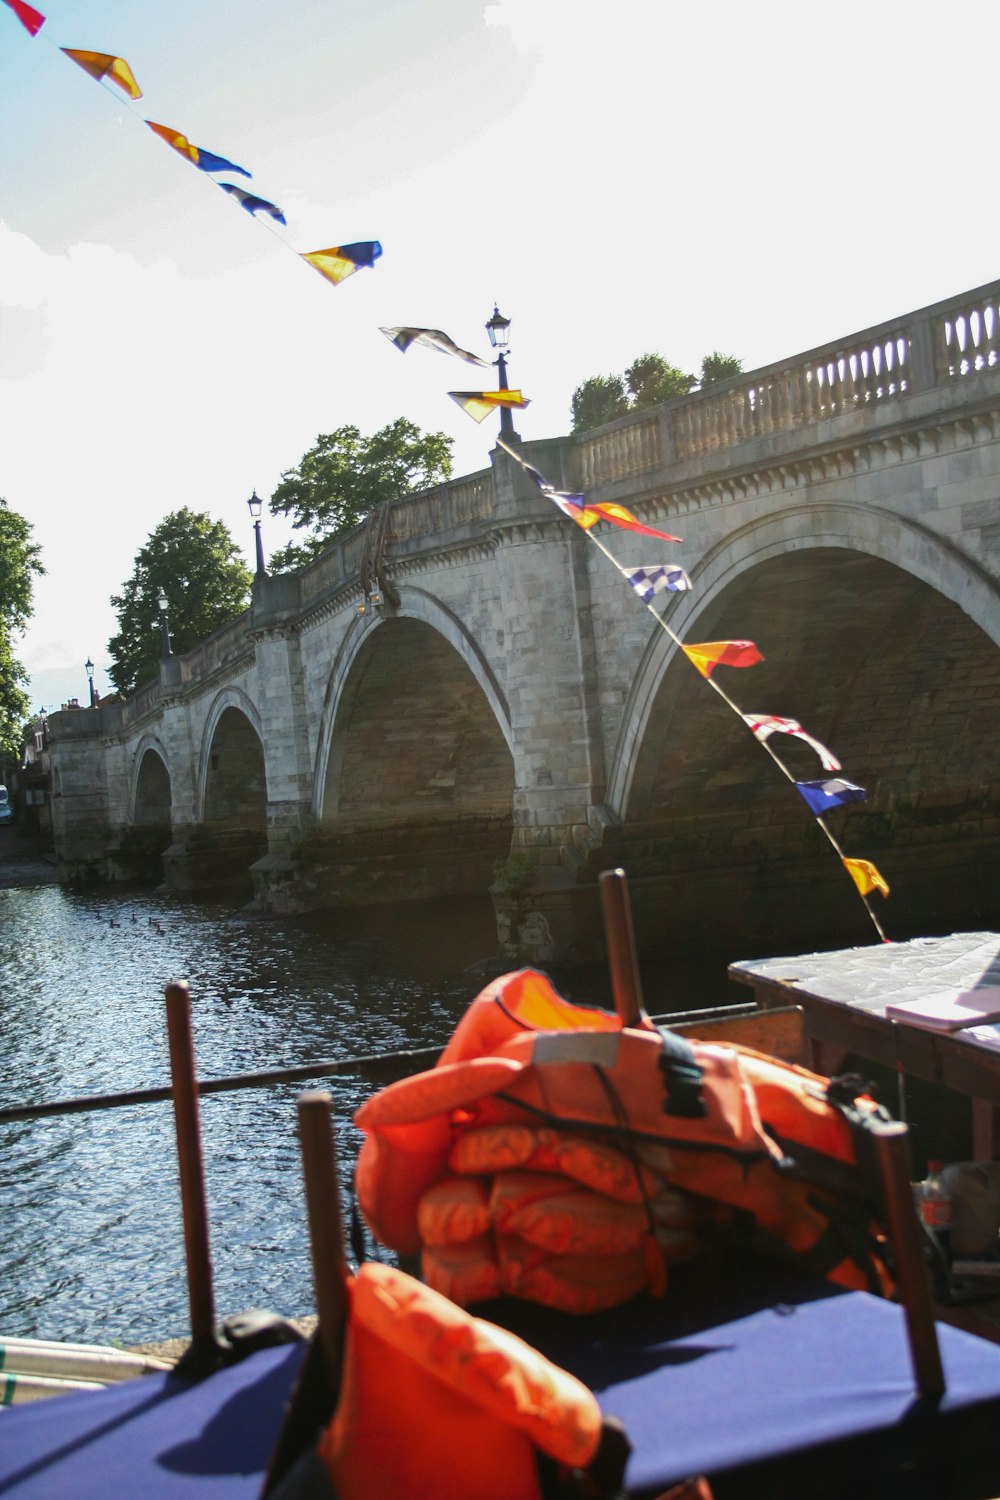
<point>648,582</point>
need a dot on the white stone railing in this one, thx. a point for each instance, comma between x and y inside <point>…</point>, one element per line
<point>826,383</point>
<point>443,509</point>
<point>950,340</point>
<point>631,447</point>
<point>968,337</point>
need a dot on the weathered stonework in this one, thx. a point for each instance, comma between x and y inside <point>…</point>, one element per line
<point>842,509</point>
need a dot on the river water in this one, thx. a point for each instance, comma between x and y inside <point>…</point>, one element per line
<point>93,1235</point>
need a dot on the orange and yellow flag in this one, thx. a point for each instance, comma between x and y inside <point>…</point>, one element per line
<point>102,65</point>
<point>866,877</point>
<point>722,654</point>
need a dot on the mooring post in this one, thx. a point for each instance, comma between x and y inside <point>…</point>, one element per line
<point>194,1207</point>
<point>326,1233</point>
<point>891,1141</point>
<point>626,985</point>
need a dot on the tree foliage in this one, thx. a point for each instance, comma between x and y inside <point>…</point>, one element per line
<point>199,567</point>
<point>649,379</point>
<point>598,400</point>
<point>20,563</point>
<point>344,476</point>
<point>715,367</point>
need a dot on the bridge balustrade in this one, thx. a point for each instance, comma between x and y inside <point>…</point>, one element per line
<point>968,338</point>
<point>634,447</point>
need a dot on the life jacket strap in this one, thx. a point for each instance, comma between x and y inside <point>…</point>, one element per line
<point>602,1479</point>
<point>683,1076</point>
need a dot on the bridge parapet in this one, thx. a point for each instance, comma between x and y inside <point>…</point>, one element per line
<point>925,351</point>
<point>867,470</point>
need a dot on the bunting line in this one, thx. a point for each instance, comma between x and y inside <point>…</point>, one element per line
<point>339,262</point>
<point>864,875</point>
<point>106,68</point>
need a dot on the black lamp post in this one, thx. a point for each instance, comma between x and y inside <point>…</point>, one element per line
<point>255,505</point>
<point>163,606</point>
<point>498,329</point>
<point>89,666</point>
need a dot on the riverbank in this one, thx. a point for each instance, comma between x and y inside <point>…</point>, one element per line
<point>23,861</point>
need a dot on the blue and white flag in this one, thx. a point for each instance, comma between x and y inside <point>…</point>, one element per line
<point>823,796</point>
<point>649,582</point>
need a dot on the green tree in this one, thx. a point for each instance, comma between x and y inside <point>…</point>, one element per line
<point>598,400</point>
<point>651,379</point>
<point>716,366</point>
<point>199,567</point>
<point>344,476</point>
<point>20,563</point>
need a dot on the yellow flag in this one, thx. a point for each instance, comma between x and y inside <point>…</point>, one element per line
<point>479,404</point>
<point>866,877</point>
<point>331,264</point>
<point>102,65</point>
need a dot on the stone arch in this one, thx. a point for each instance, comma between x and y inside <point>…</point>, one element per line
<point>877,533</point>
<point>230,700</point>
<point>416,604</point>
<point>896,674</point>
<point>150,791</point>
<point>415,773</point>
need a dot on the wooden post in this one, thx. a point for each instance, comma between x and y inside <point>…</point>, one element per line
<point>911,1272</point>
<point>326,1236</point>
<point>626,985</point>
<point>318,1387</point>
<point>193,1199</point>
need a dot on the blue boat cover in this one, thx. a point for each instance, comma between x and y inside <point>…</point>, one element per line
<point>775,1387</point>
<point>157,1438</point>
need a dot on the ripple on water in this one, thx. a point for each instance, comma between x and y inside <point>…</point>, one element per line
<point>96,1248</point>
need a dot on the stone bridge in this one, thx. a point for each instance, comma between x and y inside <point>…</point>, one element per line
<point>506,700</point>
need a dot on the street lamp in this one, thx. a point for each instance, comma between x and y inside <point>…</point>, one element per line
<point>163,606</point>
<point>255,506</point>
<point>498,329</point>
<point>89,666</point>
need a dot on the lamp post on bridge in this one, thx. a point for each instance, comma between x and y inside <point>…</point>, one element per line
<point>255,506</point>
<point>498,329</point>
<point>89,669</point>
<point>162,605</point>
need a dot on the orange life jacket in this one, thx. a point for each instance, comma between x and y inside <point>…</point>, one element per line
<point>660,1138</point>
<point>435,1402</point>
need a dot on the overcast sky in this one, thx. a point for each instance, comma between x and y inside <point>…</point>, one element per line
<point>636,176</point>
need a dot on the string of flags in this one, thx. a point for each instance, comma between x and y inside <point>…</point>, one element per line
<point>336,263</point>
<point>820,796</point>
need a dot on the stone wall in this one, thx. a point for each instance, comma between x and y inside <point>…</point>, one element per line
<point>839,507</point>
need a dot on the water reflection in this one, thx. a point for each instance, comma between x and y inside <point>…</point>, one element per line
<point>94,1249</point>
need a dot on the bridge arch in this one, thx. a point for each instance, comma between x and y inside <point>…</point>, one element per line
<point>232,793</point>
<point>233,706</point>
<point>905,544</point>
<point>359,641</point>
<point>414,785</point>
<point>895,673</point>
<point>150,794</point>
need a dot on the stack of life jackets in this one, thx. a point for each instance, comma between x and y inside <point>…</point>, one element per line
<point>556,1156</point>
